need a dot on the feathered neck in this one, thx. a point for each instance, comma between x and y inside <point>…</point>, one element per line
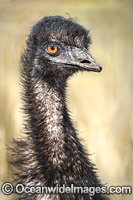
<point>52,153</point>
<point>47,118</point>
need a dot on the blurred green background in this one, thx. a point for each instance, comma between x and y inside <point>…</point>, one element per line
<point>101,103</point>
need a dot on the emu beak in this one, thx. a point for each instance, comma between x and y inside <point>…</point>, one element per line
<point>90,64</point>
<point>85,61</point>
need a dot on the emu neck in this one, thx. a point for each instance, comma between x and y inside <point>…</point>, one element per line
<point>49,104</point>
<point>47,121</point>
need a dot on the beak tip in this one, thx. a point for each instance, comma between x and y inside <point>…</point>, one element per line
<point>100,68</point>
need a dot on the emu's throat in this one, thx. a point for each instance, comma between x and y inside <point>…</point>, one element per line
<point>50,108</point>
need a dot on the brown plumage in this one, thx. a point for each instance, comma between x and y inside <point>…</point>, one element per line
<point>52,154</point>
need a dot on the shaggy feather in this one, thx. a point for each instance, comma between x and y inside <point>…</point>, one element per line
<point>51,153</point>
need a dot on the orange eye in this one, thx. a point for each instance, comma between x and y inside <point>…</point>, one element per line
<point>52,49</point>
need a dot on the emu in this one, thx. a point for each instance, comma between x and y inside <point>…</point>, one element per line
<point>51,154</point>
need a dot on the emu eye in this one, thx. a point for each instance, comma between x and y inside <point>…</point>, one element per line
<point>53,50</point>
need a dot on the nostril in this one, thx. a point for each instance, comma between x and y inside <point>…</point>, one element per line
<point>85,61</point>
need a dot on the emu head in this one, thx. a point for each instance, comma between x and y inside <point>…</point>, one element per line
<point>58,47</point>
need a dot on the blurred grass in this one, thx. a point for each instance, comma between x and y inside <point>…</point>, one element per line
<point>101,104</point>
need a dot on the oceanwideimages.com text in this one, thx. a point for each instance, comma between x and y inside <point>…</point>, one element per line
<point>8,188</point>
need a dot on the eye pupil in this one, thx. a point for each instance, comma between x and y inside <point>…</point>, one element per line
<point>52,47</point>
